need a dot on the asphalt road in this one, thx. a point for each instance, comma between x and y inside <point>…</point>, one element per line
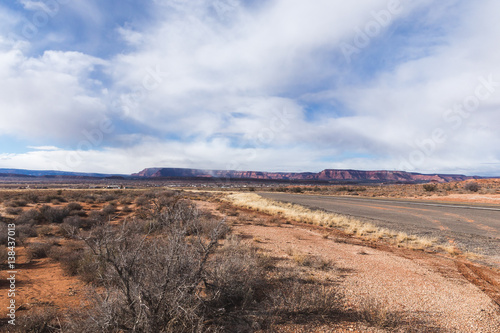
<point>474,227</point>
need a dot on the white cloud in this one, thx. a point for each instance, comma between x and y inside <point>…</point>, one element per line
<point>254,53</point>
<point>49,97</point>
<point>207,84</point>
<point>215,154</point>
<point>45,148</point>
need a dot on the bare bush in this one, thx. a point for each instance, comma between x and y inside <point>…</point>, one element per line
<point>430,187</point>
<point>38,250</point>
<point>13,210</point>
<point>171,210</point>
<point>472,187</point>
<point>142,201</point>
<point>95,219</point>
<point>154,282</point>
<point>74,206</point>
<point>25,231</point>
<point>54,215</point>
<point>4,254</point>
<point>52,198</point>
<point>16,203</point>
<point>109,210</point>
<point>38,320</point>
<point>31,197</point>
<point>70,259</point>
<point>29,217</point>
<point>71,226</point>
<point>234,276</point>
<point>3,233</point>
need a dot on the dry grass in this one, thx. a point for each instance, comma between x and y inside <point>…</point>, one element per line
<point>450,249</point>
<point>377,314</point>
<point>347,224</point>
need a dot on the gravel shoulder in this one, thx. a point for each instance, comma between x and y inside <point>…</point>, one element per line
<point>429,290</point>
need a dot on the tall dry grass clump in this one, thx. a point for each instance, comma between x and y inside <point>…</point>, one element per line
<point>347,224</point>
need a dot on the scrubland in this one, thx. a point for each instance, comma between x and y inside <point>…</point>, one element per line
<point>173,261</point>
<point>479,190</point>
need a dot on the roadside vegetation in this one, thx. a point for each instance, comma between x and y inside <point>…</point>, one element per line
<point>152,261</point>
<point>480,186</point>
<point>347,224</point>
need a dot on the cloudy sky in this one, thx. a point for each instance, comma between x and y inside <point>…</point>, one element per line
<point>279,85</point>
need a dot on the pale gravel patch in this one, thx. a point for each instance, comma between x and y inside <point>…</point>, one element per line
<point>429,290</point>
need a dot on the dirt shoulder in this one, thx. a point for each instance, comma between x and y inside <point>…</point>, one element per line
<point>423,291</point>
<point>423,288</point>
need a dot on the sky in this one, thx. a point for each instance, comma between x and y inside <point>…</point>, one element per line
<point>116,86</point>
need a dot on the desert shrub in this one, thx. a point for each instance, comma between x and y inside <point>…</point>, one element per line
<point>37,320</point>
<point>71,226</point>
<point>228,209</point>
<point>234,276</point>
<point>45,230</point>
<point>109,210</point>
<point>53,214</point>
<point>31,197</point>
<point>472,187</point>
<point>109,197</point>
<point>38,250</point>
<point>4,254</point>
<point>126,200</point>
<point>95,218</point>
<point>14,210</point>
<point>205,224</point>
<point>169,210</point>
<point>52,199</point>
<point>29,217</point>
<point>74,206</point>
<point>16,203</point>
<point>3,233</point>
<point>89,198</point>
<point>151,284</point>
<point>25,230</point>
<point>430,187</point>
<point>142,201</point>
<point>69,258</point>
<point>91,268</point>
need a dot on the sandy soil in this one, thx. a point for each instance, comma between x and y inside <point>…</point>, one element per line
<point>41,283</point>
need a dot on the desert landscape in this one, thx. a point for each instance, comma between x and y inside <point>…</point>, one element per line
<point>248,166</point>
<point>192,259</point>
